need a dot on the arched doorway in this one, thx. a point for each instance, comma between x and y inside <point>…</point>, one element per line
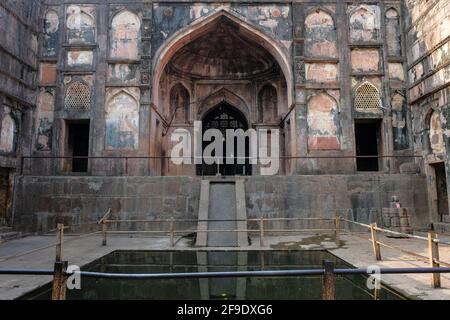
<point>223,117</point>
<point>217,58</point>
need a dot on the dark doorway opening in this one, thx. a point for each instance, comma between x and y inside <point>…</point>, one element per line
<point>368,145</point>
<point>224,117</point>
<point>441,190</point>
<point>78,145</point>
<point>5,192</point>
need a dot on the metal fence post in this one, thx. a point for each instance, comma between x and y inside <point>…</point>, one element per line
<point>59,242</point>
<point>105,233</point>
<point>433,253</point>
<point>375,244</point>
<point>337,227</point>
<point>329,288</point>
<point>172,243</point>
<point>261,232</point>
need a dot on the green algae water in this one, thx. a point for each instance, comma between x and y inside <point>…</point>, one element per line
<point>352,287</point>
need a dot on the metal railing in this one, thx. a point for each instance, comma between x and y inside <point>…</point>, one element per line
<point>60,165</point>
<point>432,240</point>
<point>328,272</point>
<point>262,231</point>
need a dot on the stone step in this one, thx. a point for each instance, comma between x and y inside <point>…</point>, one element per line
<point>4,229</point>
<point>6,236</point>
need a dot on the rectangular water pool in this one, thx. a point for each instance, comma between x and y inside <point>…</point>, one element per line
<point>352,287</point>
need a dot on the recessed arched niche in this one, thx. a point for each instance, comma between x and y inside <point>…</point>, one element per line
<point>7,134</point>
<point>267,104</point>
<point>436,135</point>
<point>50,35</point>
<point>322,123</point>
<point>45,117</point>
<point>393,33</point>
<point>179,104</point>
<point>81,26</point>
<point>125,36</point>
<point>122,119</point>
<point>320,35</point>
<point>365,24</point>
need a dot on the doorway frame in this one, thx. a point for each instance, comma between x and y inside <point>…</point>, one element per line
<point>66,164</point>
<point>209,113</point>
<point>430,172</point>
<point>380,143</point>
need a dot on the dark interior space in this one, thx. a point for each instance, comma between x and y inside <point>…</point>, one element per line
<point>4,192</point>
<point>441,190</point>
<point>78,145</point>
<point>367,144</point>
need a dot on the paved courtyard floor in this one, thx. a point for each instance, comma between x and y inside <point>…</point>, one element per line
<point>352,248</point>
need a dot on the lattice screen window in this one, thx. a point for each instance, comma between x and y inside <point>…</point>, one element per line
<point>367,98</point>
<point>78,97</point>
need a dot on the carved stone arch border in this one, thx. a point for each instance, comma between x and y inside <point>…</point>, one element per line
<point>316,9</point>
<point>325,93</point>
<point>268,83</point>
<point>112,95</point>
<point>185,85</point>
<point>201,25</point>
<point>359,7</point>
<point>223,95</point>
<point>124,9</point>
<point>362,82</point>
<point>81,6</point>
<point>389,8</point>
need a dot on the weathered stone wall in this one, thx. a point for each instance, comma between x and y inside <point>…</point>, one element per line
<point>81,199</point>
<point>324,195</point>
<point>19,64</point>
<point>78,200</point>
<point>428,57</point>
<point>349,65</point>
<point>19,20</point>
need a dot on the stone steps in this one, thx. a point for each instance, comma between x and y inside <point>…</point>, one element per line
<point>7,234</point>
<point>223,202</point>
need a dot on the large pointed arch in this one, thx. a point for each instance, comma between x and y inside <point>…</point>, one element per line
<point>205,24</point>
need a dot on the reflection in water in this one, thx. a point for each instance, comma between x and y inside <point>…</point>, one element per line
<point>310,287</point>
